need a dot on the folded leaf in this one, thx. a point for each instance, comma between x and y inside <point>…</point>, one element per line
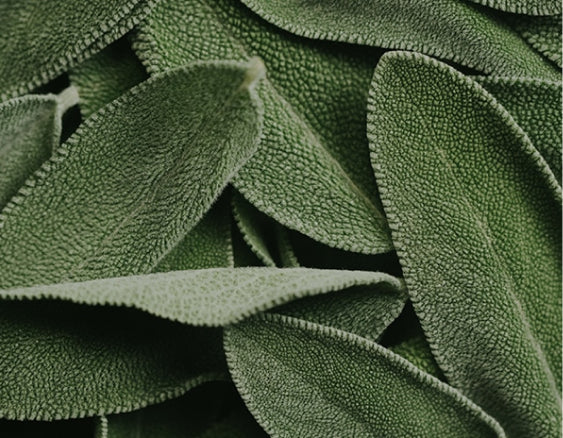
<point>41,38</point>
<point>134,179</point>
<point>30,128</point>
<point>542,33</point>
<point>329,383</point>
<point>449,29</point>
<point>106,76</point>
<point>476,217</point>
<point>214,297</point>
<point>536,107</point>
<point>59,360</point>
<point>311,172</point>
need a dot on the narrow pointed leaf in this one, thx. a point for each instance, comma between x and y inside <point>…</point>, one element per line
<point>449,29</point>
<point>476,217</point>
<point>536,107</point>
<point>134,179</point>
<point>311,172</point>
<point>214,297</point>
<point>106,76</point>
<point>35,48</point>
<point>329,383</point>
<point>542,33</point>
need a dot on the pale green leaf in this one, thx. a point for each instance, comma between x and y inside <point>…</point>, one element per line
<point>329,383</point>
<point>452,30</point>
<point>106,76</point>
<point>215,297</point>
<point>134,179</point>
<point>285,250</point>
<point>39,39</point>
<point>311,172</point>
<point>536,107</point>
<point>542,33</point>
<point>476,216</point>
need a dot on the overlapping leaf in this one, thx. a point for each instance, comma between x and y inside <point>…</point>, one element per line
<point>542,33</point>
<point>476,216</point>
<point>329,383</point>
<point>529,7</point>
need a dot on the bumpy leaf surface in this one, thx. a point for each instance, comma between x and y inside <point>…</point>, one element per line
<point>542,33</point>
<point>476,216</point>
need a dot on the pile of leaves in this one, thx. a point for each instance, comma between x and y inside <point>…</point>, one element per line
<point>287,218</point>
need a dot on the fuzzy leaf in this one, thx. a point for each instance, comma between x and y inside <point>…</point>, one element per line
<point>329,383</point>
<point>39,39</point>
<point>449,29</point>
<point>542,33</point>
<point>476,217</point>
<point>536,107</point>
<point>528,7</point>
<point>154,167</point>
<point>311,172</point>
<point>214,297</point>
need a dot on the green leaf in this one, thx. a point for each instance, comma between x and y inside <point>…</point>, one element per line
<point>30,128</point>
<point>528,7</point>
<point>214,297</point>
<point>42,38</point>
<point>542,33</point>
<point>476,217</point>
<point>60,360</point>
<point>417,351</point>
<point>311,172</point>
<point>329,383</point>
<point>134,179</point>
<point>452,30</point>
<point>536,107</point>
<point>285,250</point>
<point>212,410</point>
<point>106,76</point>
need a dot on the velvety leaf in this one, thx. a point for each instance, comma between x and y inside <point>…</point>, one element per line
<point>476,217</point>
<point>39,39</point>
<point>30,128</point>
<point>417,351</point>
<point>311,172</point>
<point>542,33</point>
<point>215,297</point>
<point>212,410</point>
<point>528,7</point>
<point>329,383</point>
<point>60,360</point>
<point>536,107</point>
<point>449,29</point>
<point>106,76</point>
<point>285,250</point>
<point>134,179</point>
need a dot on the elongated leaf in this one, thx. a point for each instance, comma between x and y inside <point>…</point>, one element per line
<point>30,128</point>
<point>329,383</point>
<point>59,360</point>
<point>542,33</point>
<point>106,76</point>
<point>213,410</point>
<point>134,179</point>
<point>449,29</point>
<point>311,172</point>
<point>285,249</point>
<point>35,48</point>
<point>213,297</point>
<point>476,217</point>
<point>536,107</point>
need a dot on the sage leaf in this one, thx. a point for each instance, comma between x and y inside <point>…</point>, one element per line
<point>417,351</point>
<point>214,297</point>
<point>311,172</point>
<point>528,7</point>
<point>542,33</point>
<point>337,384</point>
<point>536,107</point>
<point>106,76</point>
<point>285,249</point>
<point>35,49</point>
<point>452,30</point>
<point>30,128</point>
<point>155,166</point>
<point>476,217</point>
<point>60,360</point>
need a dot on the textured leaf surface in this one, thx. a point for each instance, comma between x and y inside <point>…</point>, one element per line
<point>475,214</point>
<point>417,351</point>
<point>215,296</point>
<point>542,33</point>
<point>529,7</point>
<point>449,29</point>
<point>60,360</point>
<point>41,38</point>
<point>330,383</point>
<point>311,172</point>
<point>154,167</point>
<point>106,76</point>
<point>213,410</point>
<point>536,107</point>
